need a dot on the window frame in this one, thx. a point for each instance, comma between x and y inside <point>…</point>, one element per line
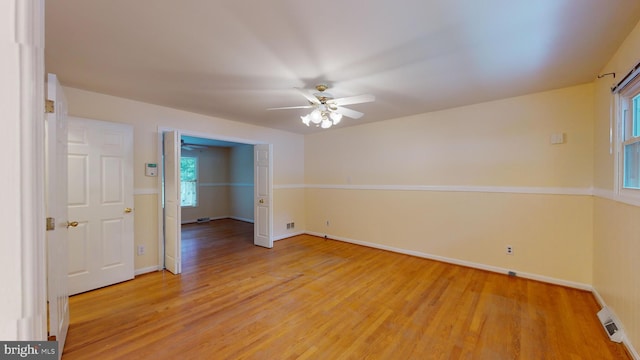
<point>195,182</point>
<point>626,121</point>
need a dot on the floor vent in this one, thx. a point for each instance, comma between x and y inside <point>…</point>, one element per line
<point>203,220</point>
<point>610,325</point>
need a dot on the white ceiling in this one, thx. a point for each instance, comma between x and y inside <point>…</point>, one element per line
<point>234,59</point>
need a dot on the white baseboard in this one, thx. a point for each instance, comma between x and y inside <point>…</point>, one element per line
<point>496,269</point>
<point>625,341</point>
<point>241,219</point>
<point>191,221</point>
<point>149,269</point>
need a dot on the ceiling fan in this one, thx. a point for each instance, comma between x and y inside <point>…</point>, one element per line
<point>327,110</point>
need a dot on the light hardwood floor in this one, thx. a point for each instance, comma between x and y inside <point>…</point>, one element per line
<point>311,298</point>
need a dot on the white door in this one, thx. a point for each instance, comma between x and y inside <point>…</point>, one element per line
<point>263,189</point>
<point>56,205</point>
<point>100,198</point>
<point>172,214</point>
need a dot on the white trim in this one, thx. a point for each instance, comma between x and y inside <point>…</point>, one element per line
<point>193,221</point>
<point>160,162</point>
<point>625,340</point>
<point>599,298</point>
<point>147,270</point>
<point>604,193</point>
<point>629,196</point>
<point>24,316</point>
<point>611,195</point>
<point>242,219</point>
<point>290,186</point>
<point>454,188</point>
<point>496,269</point>
<point>147,191</point>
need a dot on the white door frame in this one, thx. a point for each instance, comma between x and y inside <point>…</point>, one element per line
<point>56,195</point>
<point>263,195</point>
<point>182,132</point>
<point>172,219</point>
<point>24,316</point>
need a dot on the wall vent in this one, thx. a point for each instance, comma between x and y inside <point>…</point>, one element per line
<point>611,325</point>
<point>203,220</point>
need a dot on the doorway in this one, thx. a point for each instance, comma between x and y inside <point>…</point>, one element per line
<point>217,184</point>
<point>226,179</point>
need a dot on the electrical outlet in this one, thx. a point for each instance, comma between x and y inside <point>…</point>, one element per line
<point>140,250</point>
<point>293,225</point>
<point>509,250</point>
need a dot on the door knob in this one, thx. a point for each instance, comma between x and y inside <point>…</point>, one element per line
<point>128,210</point>
<point>72,224</point>
<point>261,201</point>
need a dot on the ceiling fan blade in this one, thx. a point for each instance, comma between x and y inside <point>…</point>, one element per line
<point>358,99</point>
<point>291,107</point>
<point>349,113</point>
<point>309,96</point>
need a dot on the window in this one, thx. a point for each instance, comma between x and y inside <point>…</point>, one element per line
<point>188,181</point>
<point>631,142</point>
<point>627,136</point>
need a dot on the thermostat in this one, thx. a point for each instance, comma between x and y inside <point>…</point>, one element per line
<point>151,169</point>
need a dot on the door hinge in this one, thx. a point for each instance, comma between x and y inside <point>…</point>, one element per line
<point>51,223</point>
<point>49,107</point>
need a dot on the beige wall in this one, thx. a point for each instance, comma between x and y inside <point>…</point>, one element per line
<point>288,158</point>
<point>213,188</point>
<point>225,183</point>
<point>458,184</point>
<point>501,143</point>
<point>241,180</point>
<point>616,266</point>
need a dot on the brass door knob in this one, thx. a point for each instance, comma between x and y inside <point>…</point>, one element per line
<point>128,210</point>
<point>261,201</point>
<point>72,224</point>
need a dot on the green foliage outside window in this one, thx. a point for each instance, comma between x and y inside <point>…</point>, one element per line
<point>188,181</point>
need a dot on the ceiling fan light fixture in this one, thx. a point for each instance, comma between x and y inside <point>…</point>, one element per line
<point>335,117</point>
<point>305,119</point>
<point>316,116</point>
<point>327,111</point>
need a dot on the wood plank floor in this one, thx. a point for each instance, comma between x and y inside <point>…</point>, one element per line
<point>311,298</point>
